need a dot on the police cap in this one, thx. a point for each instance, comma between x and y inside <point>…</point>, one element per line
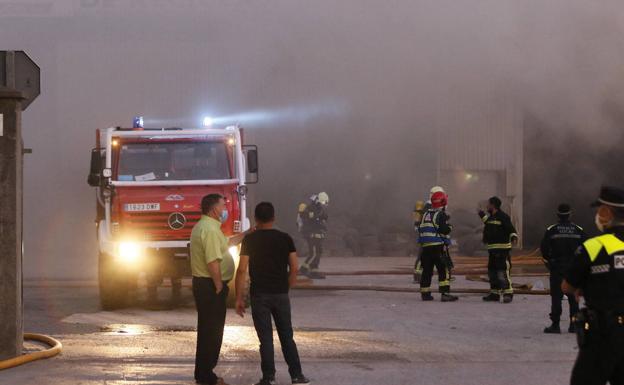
<point>610,196</point>
<point>564,209</point>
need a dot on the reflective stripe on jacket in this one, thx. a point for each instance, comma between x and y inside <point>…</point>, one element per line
<point>433,229</point>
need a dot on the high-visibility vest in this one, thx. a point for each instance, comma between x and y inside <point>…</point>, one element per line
<point>429,234</point>
<point>609,242</point>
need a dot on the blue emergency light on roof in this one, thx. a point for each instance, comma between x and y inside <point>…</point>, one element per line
<point>137,122</point>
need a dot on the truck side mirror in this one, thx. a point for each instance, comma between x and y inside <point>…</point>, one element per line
<point>252,161</point>
<point>95,170</point>
<point>251,157</point>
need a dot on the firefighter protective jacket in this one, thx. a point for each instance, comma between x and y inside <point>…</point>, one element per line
<point>315,220</point>
<point>498,231</point>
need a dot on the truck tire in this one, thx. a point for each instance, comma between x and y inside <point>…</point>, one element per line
<point>113,284</point>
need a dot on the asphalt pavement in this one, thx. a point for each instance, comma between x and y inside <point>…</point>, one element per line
<point>344,337</point>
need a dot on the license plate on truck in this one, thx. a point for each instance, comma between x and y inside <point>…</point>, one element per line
<point>142,207</point>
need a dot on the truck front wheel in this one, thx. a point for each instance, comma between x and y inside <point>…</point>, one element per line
<point>114,283</point>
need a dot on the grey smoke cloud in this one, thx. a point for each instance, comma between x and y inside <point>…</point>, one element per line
<point>340,96</point>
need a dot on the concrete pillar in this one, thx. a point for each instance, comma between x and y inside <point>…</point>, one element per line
<point>11,166</point>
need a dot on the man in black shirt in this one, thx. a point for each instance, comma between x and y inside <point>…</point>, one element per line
<point>271,259</point>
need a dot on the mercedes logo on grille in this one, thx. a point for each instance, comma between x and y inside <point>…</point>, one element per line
<point>177,221</point>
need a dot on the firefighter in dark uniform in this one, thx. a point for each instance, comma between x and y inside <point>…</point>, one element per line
<point>498,234</point>
<point>434,235</point>
<point>597,274</point>
<point>558,246</point>
<point>315,230</point>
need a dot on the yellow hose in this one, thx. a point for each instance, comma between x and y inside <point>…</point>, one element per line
<point>55,348</point>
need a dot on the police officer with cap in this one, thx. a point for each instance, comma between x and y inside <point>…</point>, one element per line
<point>597,274</point>
<point>558,246</point>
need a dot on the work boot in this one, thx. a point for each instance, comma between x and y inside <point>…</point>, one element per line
<point>572,327</point>
<point>492,297</point>
<point>507,298</point>
<point>426,296</point>
<point>553,328</point>
<point>300,380</point>
<point>446,297</point>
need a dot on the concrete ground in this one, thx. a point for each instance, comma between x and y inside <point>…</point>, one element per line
<point>344,337</point>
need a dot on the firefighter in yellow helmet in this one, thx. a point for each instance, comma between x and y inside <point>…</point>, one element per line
<point>314,230</point>
<point>417,214</point>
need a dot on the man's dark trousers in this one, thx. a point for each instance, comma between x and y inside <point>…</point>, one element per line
<point>315,252</point>
<point>263,307</point>
<point>430,257</point>
<point>210,323</point>
<point>499,271</point>
<point>556,295</point>
<point>602,359</point>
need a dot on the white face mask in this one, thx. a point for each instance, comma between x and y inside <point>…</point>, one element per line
<point>599,224</point>
<point>224,216</point>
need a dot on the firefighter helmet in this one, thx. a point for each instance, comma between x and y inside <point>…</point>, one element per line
<point>436,189</point>
<point>323,198</point>
<point>438,200</point>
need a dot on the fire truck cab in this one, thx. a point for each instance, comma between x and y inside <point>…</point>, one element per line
<point>149,185</point>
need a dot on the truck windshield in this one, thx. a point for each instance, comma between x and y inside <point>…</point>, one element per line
<point>173,161</point>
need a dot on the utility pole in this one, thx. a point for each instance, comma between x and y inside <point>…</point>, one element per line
<point>11,323</point>
<point>19,85</point>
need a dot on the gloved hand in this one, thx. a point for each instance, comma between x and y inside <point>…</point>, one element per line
<point>481,213</point>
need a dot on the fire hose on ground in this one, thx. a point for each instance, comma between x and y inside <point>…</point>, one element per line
<point>54,349</point>
<point>409,290</point>
<point>469,267</point>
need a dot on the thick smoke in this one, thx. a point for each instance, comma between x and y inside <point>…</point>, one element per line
<point>340,96</point>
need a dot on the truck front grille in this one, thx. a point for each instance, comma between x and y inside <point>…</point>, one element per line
<point>161,225</point>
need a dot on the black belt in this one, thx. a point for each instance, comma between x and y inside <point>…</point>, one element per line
<point>225,282</point>
<point>608,316</point>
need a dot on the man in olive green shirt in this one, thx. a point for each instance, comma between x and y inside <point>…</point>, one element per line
<point>212,267</point>
<point>209,245</point>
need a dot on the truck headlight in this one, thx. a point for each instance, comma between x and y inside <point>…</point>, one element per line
<point>129,252</point>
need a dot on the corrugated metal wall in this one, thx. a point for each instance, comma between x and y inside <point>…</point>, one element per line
<point>481,154</point>
<point>481,139</point>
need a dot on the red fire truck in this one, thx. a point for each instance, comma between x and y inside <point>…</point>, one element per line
<point>149,184</point>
